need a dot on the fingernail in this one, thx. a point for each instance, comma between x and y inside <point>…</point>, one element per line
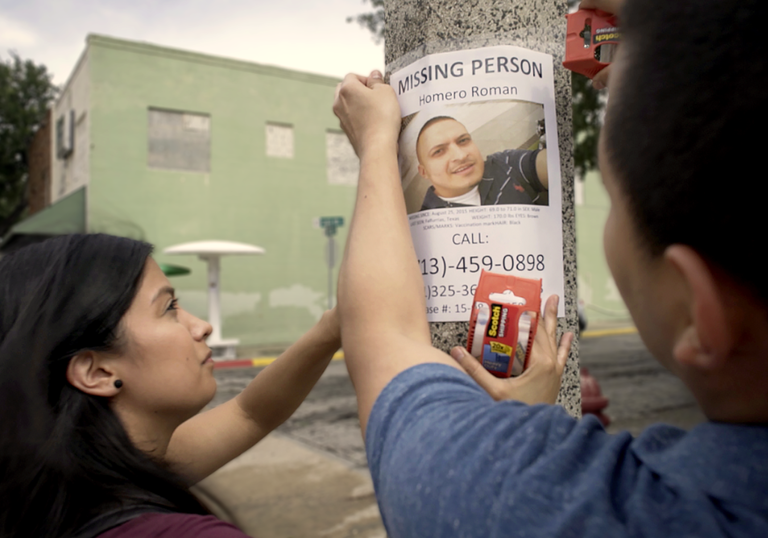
<point>376,74</point>
<point>598,85</point>
<point>457,353</point>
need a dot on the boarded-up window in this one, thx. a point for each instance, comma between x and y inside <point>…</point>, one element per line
<point>65,135</point>
<point>179,140</point>
<point>342,165</point>
<point>280,140</point>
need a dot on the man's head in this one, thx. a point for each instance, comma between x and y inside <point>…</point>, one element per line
<point>681,159</point>
<point>448,157</point>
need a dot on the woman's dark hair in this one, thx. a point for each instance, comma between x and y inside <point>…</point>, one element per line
<point>64,455</point>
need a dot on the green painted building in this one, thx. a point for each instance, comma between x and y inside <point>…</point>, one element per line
<point>596,286</point>
<point>170,147</point>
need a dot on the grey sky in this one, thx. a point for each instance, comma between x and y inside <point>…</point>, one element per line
<point>308,35</point>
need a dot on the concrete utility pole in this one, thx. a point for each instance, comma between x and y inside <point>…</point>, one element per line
<point>417,28</point>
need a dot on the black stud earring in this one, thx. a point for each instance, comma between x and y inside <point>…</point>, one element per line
<point>118,383</point>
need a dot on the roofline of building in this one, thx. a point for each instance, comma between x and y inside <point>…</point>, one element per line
<point>208,59</point>
<point>64,87</point>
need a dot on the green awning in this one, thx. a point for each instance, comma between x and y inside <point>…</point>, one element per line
<point>64,217</point>
<point>174,270</point>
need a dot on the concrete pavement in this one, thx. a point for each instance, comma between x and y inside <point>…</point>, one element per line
<point>309,478</point>
<point>282,489</point>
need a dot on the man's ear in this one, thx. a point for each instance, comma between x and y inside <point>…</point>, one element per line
<point>709,338</point>
<point>90,373</point>
<point>423,171</point>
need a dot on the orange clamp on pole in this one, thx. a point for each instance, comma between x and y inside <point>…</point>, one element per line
<point>591,41</point>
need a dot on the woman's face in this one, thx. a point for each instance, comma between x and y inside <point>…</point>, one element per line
<point>165,364</point>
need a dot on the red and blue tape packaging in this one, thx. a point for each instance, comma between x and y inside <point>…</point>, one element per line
<point>501,329</point>
<point>591,41</point>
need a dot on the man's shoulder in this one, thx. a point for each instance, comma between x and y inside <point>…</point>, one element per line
<point>713,457</point>
<point>432,200</point>
<point>517,459</point>
<point>509,157</point>
<point>508,163</point>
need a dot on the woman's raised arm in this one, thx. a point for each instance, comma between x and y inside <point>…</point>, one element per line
<point>211,439</point>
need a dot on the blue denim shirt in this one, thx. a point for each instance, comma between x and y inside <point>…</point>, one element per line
<point>447,460</point>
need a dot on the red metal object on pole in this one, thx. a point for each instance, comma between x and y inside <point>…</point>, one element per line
<point>591,41</point>
<point>592,400</point>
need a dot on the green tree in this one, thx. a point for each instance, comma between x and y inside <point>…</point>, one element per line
<point>373,20</point>
<point>26,90</point>
<point>587,104</point>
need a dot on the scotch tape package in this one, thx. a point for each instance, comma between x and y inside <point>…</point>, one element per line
<point>501,329</point>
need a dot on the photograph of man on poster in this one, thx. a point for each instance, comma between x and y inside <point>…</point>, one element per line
<point>460,176</point>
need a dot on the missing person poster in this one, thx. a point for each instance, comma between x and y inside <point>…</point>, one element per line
<point>480,171</point>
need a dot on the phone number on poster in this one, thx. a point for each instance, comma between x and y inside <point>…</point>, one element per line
<point>463,290</point>
<point>473,264</point>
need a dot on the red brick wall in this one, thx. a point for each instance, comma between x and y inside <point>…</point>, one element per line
<point>40,167</point>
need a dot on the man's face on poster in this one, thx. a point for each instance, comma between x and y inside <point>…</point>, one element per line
<point>449,158</point>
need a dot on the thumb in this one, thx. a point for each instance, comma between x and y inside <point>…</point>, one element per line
<point>475,370</point>
<point>375,78</point>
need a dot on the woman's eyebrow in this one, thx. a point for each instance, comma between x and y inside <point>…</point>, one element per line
<point>165,289</point>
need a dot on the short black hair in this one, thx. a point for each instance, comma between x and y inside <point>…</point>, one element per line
<point>685,131</point>
<point>429,122</point>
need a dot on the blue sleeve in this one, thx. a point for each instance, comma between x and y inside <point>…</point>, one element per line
<point>447,460</point>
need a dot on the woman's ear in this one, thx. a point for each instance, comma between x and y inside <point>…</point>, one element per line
<point>708,340</point>
<point>90,372</point>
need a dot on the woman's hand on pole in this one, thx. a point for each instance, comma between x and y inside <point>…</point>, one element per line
<point>368,111</point>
